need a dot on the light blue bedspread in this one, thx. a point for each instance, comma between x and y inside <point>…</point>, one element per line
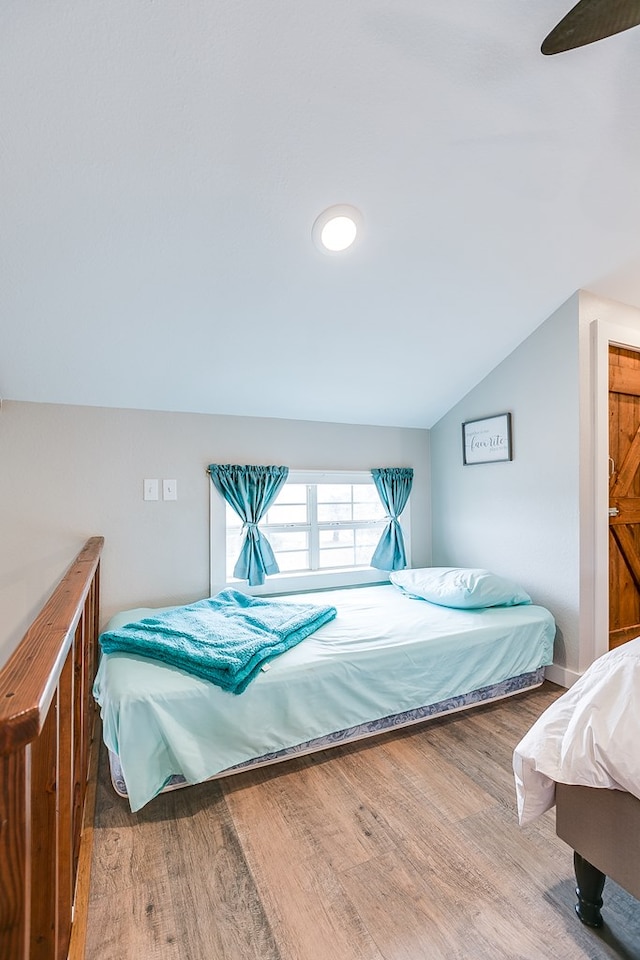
<point>225,639</point>
<point>383,654</point>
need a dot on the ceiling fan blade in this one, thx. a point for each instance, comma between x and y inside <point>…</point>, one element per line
<point>592,20</point>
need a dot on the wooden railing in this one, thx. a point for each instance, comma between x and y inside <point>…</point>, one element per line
<point>46,726</point>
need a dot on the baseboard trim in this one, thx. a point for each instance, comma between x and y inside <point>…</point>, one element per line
<point>561,675</point>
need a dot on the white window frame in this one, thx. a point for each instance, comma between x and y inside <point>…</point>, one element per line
<point>286,582</point>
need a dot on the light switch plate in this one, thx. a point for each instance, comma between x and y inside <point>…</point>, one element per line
<point>150,489</point>
<point>169,490</point>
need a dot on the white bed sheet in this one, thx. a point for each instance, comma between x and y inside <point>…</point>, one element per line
<point>588,737</point>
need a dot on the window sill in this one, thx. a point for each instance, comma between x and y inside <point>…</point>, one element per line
<point>308,582</point>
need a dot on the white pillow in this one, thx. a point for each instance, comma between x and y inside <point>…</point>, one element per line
<point>459,587</point>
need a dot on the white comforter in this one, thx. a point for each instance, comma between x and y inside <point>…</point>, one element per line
<point>590,736</point>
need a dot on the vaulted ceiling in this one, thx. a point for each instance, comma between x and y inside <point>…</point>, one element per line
<point>162,163</point>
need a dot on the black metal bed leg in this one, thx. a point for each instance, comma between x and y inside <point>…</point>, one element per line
<point>590,884</point>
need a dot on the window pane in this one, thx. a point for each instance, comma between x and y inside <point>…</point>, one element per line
<point>332,512</point>
<point>369,536</point>
<point>334,492</point>
<point>295,560</point>
<point>336,538</point>
<point>285,513</point>
<point>368,511</point>
<point>292,493</point>
<point>365,493</point>
<point>234,544</point>
<point>288,540</point>
<point>364,555</point>
<point>342,557</point>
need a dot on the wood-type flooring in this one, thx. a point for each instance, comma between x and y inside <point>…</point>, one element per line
<point>404,847</point>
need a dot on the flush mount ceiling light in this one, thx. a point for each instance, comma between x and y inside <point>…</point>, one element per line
<point>336,228</point>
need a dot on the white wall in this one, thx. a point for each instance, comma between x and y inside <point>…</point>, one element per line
<point>520,518</point>
<point>67,473</point>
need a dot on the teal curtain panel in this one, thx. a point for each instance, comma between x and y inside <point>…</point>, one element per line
<point>251,490</point>
<point>394,486</point>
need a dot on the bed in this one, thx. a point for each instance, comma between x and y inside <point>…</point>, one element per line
<point>388,659</point>
<point>581,755</point>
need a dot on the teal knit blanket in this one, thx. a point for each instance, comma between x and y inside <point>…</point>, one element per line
<point>225,639</point>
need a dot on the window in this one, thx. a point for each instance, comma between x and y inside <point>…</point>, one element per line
<point>323,529</point>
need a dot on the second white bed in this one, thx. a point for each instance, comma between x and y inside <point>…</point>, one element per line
<point>588,737</point>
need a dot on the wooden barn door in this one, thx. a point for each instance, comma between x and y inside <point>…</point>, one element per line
<point>624,495</point>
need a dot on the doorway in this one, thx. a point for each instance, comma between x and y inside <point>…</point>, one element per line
<point>624,494</point>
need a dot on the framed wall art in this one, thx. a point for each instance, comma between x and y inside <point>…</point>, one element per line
<point>487,440</point>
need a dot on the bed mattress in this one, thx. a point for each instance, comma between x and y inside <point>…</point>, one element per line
<point>385,654</point>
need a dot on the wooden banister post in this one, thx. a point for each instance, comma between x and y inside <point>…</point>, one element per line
<point>15,855</point>
<point>46,723</point>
